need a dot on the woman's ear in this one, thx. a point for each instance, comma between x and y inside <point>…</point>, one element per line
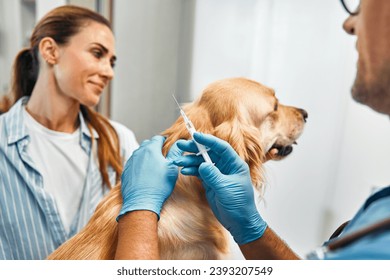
<point>49,50</point>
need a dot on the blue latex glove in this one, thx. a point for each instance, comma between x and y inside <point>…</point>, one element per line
<point>228,186</point>
<point>148,178</point>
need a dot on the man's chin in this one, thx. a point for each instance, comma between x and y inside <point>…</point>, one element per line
<point>375,96</point>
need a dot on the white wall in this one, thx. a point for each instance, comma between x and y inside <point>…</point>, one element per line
<point>10,24</point>
<point>148,50</point>
<point>44,6</point>
<point>224,36</point>
<point>363,161</point>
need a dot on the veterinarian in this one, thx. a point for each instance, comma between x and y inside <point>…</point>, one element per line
<point>228,183</point>
<point>58,156</point>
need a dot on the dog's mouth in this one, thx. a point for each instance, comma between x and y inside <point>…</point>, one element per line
<point>278,151</point>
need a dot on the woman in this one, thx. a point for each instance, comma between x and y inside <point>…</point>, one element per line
<point>58,156</point>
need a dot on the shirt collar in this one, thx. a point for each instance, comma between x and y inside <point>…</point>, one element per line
<point>84,128</point>
<point>14,122</point>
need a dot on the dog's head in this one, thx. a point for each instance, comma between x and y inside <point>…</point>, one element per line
<point>246,114</point>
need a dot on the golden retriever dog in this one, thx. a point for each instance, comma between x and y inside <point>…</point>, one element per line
<point>244,113</point>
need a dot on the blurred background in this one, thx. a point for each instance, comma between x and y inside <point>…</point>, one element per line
<point>296,47</point>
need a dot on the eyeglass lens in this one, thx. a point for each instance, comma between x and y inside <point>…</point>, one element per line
<point>352,5</point>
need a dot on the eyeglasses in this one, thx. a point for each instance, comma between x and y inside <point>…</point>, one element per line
<point>351,6</point>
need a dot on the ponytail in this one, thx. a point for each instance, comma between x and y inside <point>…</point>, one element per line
<point>25,73</point>
<point>5,104</point>
<point>24,77</point>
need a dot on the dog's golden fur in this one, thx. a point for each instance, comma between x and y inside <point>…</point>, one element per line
<point>240,111</point>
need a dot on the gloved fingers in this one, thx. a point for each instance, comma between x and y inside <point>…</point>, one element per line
<point>187,146</point>
<point>188,160</point>
<point>151,145</point>
<point>144,143</point>
<point>174,152</point>
<point>210,174</point>
<point>215,144</point>
<point>157,142</point>
<point>190,171</point>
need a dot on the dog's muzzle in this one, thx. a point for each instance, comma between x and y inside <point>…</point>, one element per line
<point>283,150</point>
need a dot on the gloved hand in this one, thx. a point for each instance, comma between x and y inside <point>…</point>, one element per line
<point>228,186</point>
<point>148,178</point>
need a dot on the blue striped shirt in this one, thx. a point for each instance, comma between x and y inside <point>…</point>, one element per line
<point>30,224</point>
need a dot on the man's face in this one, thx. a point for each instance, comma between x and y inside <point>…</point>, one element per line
<point>372,28</point>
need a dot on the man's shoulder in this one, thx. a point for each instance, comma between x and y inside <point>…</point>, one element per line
<point>368,231</point>
<point>375,246</point>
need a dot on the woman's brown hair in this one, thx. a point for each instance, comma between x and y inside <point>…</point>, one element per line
<point>61,24</point>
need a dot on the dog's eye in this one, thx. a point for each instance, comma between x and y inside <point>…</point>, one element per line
<point>276,106</point>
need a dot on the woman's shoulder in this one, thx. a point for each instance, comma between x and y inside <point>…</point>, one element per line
<point>123,131</point>
<point>127,139</point>
<point>2,130</point>
<point>12,120</point>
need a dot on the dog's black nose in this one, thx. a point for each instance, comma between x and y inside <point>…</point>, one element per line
<point>285,151</point>
<point>304,114</point>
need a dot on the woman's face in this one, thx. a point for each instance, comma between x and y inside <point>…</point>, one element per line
<point>84,66</point>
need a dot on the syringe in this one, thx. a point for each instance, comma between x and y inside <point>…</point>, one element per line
<point>191,129</point>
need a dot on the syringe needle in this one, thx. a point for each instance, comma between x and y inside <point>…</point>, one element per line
<point>191,129</point>
<point>174,98</point>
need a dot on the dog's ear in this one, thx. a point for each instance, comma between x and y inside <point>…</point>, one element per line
<point>200,119</point>
<point>173,133</point>
<point>244,139</point>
